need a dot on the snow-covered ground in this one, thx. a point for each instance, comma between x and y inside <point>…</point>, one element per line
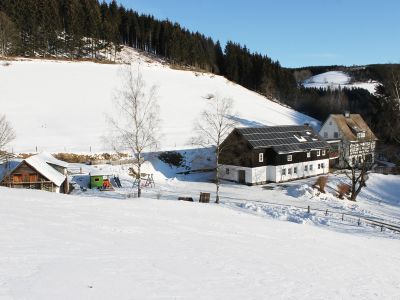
<point>61,106</point>
<point>288,201</point>
<point>336,79</point>
<point>69,247</point>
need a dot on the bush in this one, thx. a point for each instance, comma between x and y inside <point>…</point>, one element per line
<point>321,183</point>
<point>343,190</point>
<point>172,158</point>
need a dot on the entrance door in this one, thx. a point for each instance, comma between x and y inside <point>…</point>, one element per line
<point>242,176</point>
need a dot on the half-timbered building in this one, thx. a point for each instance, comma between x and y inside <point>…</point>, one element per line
<point>273,154</point>
<point>351,139</point>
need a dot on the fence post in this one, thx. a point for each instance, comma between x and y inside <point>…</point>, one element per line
<point>359,222</point>
<point>381,228</point>
<point>326,213</point>
<point>308,209</point>
<point>342,217</point>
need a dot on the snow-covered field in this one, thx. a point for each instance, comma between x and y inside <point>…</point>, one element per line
<point>68,247</point>
<point>62,106</point>
<point>336,79</point>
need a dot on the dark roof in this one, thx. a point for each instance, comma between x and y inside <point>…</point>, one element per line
<point>283,139</point>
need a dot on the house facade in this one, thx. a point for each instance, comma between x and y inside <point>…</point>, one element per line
<point>40,172</point>
<point>351,139</point>
<point>273,154</point>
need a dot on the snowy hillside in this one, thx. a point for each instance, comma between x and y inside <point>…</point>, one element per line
<point>336,79</point>
<point>62,106</point>
<point>64,247</point>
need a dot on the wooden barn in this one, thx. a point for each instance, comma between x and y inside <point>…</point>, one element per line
<point>273,154</point>
<point>40,172</point>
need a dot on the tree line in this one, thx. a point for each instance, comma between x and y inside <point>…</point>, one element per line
<point>92,29</point>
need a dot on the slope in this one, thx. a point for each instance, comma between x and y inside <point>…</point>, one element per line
<point>338,79</point>
<point>62,106</point>
<point>64,247</point>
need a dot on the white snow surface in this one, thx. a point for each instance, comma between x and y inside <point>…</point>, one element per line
<point>56,246</point>
<point>61,106</point>
<point>338,79</point>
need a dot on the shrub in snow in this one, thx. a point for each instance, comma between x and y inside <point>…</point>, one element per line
<point>172,158</point>
<point>320,184</point>
<point>343,190</point>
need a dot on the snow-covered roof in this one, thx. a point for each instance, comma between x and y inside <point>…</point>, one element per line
<point>50,159</point>
<point>40,165</point>
<point>100,172</point>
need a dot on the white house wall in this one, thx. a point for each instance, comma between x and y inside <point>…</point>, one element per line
<point>274,173</point>
<point>330,127</point>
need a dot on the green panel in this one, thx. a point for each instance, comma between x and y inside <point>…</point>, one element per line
<point>96,181</point>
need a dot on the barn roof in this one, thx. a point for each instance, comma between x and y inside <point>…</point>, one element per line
<point>40,165</point>
<point>50,159</point>
<point>351,125</point>
<point>283,139</point>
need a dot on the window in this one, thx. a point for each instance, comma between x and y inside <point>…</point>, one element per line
<point>318,152</point>
<point>289,171</point>
<point>283,172</point>
<point>308,154</point>
<point>295,170</point>
<point>260,157</point>
<point>289,158</point>
<point>325,134</point>
<point>305,168</point>
<point>322,165</point>
<point>336,134</point>
<point>227,171</point>
<point>330,123</point>
<point>311,168</point>
<point>323,152</point>
<point>96,179</point>
<point>319,166</point>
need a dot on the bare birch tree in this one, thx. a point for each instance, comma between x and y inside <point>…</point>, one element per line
<point>215,124</point>
<point>7,133</point>
<point>136,129</point>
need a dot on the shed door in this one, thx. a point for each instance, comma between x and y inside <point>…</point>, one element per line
<point>242,176</point>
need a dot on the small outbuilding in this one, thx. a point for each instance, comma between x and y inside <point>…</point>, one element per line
<point>100,179</point>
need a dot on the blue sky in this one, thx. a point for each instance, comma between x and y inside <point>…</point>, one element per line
<point>297,33</point>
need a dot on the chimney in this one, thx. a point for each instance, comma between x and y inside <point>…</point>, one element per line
<point>347,114</point>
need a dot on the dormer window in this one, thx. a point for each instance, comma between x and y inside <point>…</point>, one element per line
<point>361,135</point>
<point>289,158</point>
<point>318,152</point>
<point>323,152</point>
<point>261,157</point>
<point>308,154</point>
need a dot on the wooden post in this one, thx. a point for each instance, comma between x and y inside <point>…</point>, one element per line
<point>309,209</point>
<point>381,228</point>
<point>326,213</point>
<point>359,222</point>
<point>342,217</point>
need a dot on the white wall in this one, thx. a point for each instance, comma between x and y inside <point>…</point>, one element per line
<point>277,170</point>
<point>330,127</point>
<point>234,173</point>
<point>274,173</point>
